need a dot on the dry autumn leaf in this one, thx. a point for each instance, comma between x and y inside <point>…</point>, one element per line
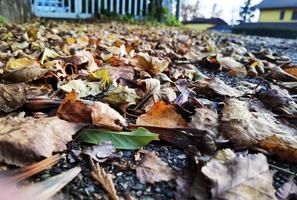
<point>97,113</point>
<point>152,169</point>
<point>216,87</point>
<point>162,115</point>
<point>233,67</point>
<point>150,64</point>
<point>247,128</point>
<point>26,140</point>
<point>239,177</point>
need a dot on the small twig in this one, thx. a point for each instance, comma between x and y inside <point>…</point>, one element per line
<point>142,101</point>
<point>283,170</point>
<point>255,89</point>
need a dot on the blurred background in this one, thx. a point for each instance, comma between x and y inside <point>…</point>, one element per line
<point>276,18</point>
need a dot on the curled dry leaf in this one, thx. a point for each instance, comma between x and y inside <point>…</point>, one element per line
<point>162,115</point>
<point>232,66</point>
<point>279,100</point>
<point>216,87</point>
<point>104,179</point>
<point>239,177</point>
<point>82,57</point>
<point>98,113</point>
<point>247,128</point>
<point>102,151</point>
<point>152,169</point>
<point>150,64</point>
<point>26,140</point>
<point>277,73</point>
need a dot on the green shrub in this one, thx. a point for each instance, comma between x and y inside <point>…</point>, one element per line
<point>3,20</point>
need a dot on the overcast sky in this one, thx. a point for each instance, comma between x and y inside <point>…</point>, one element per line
<point>230,8</point>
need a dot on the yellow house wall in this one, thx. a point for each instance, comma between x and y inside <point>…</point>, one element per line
<point>199,26</point>
<point>274,16</point>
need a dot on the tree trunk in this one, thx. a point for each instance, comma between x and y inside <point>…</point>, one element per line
<point>15,10</point>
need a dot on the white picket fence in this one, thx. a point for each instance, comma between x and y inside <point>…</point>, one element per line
<point>87,8</point>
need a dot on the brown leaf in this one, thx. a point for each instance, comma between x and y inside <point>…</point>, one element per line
<point>12,96</point>
<point>162,115</point>
<point>26,140</point>
<point>24,75</point>
<point>82,57</point>
<point>233,67</point>
<point>100,114</point>
<point>216,87</point>
<point>240,177</point>
<point>104,179</point>
<point>155,92</point>
<point>73,110</point>
<point>205,119</point>
<point>152,169</point>
<point>247,128</point>
<point>279,100</point>
<point>277,73</point>
<point>151,64</point>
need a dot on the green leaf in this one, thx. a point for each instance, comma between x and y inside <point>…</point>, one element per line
<point>7,36</point>
<point>121,140</point>
<point>102,74</point>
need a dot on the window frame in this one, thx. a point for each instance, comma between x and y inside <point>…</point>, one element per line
<point>282,15</point>
<point>294,15</point>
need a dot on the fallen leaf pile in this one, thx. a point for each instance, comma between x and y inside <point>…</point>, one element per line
<point>97,91</point>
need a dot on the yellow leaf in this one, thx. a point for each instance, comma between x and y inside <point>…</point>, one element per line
<point>83,40</point>
<point>16,64</point>
<point>104,77</point>
<point>70,40</point>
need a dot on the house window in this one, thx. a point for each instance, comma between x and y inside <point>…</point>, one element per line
<point>282,15</point>
<point>294,15</point>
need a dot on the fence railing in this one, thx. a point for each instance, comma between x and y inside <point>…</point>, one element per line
<point>88,8</point>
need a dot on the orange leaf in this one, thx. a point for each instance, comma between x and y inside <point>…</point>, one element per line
<point>292,71</point>
<point>162,115</point>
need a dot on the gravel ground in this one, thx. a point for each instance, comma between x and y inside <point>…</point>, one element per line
<point>287,47</point>
<point>123,170</point>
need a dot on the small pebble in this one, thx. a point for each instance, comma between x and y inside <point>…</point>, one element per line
<point>139,193</point>
<point>157,189</point>
<point>119,174</point>
<point>182,156</point>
